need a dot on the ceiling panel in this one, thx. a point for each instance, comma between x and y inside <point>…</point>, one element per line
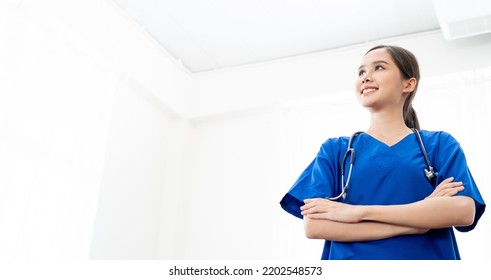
<point>214,34</point>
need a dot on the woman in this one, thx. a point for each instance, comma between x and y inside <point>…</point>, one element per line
<point>385,207</point>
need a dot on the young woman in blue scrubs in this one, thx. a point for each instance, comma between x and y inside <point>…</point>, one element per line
<point>390,209</point>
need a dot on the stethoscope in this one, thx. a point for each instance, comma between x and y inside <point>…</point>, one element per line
<point>430,172</point>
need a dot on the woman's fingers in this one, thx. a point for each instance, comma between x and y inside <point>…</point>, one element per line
<point>447,188</point>
<point>312,206</point>
<point>317,205</point>
<point>320,208</point>
<point>452,190</point>
<point>448,180</point>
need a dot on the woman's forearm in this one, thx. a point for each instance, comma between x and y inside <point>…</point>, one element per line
<point>438,212</point>
<point>353,232</point>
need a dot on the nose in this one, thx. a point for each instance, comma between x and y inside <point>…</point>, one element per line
<point>365,78</point>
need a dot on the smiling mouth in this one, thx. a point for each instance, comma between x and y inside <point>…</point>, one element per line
<point>368,90</point>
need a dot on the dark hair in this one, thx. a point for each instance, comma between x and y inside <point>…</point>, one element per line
<point>409,67</point>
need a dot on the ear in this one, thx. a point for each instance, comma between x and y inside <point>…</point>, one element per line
<point>409,85</point>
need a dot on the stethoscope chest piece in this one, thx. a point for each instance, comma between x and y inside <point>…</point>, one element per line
<point>430,172</point>
<point>431,175</point>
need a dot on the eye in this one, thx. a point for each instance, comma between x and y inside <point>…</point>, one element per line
<point>361,72</point>
<point>379,67</point>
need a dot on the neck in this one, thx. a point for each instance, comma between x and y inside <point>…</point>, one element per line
<point>387,124</point>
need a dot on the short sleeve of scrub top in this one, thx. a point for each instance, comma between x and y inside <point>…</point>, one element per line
<point>319,178</point>
<point>387,175</point>
<point>449,157</point>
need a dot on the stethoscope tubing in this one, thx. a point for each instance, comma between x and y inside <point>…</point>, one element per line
<point>430,173</point>
<point>350,152</point>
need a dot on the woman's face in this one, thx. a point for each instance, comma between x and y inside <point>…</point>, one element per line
<point>379,84</point>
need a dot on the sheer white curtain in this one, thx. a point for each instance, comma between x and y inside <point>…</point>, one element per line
<point>460,103</point>
<point>55,110</point>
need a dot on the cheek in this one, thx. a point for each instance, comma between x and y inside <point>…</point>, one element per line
<point>357,86</point>
<point>357,91</point>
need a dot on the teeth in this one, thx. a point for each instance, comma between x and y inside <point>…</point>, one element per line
<point>369,90</point>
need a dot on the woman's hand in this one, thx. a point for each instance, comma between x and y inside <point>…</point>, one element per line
<point>325,209</point>
<point>320,208</point>
<point>447,188</point>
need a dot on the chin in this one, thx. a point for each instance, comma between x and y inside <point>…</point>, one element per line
<point>365,103</point>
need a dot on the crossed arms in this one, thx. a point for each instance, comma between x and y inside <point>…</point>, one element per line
<point>330,220</point>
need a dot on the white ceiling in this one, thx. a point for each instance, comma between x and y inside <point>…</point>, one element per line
<point>213,34</point>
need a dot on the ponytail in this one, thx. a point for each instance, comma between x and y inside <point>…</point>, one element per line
<point>410,117</point>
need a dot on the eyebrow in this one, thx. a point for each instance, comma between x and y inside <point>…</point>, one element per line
<point>375,62</point>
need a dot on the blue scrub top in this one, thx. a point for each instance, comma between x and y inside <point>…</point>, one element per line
<point>384,175</point>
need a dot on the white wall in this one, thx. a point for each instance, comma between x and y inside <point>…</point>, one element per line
<point>325,73</point>
<point>131,192</point>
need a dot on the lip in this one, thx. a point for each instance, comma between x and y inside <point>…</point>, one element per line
<point>365,90</point>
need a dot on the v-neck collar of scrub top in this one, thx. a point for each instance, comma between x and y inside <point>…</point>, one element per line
<point>393,146</point>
